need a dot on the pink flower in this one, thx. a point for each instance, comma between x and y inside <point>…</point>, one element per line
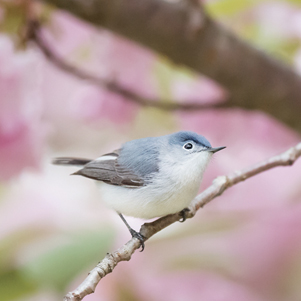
<point>21,130</point>
<point>103,55</point>
<point>92,104</point>
<point>201,90</point>
<point>278,20</point>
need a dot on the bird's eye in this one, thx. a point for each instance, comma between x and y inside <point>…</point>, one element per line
<point>188,146</point>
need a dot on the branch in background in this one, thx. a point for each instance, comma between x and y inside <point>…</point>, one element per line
<point>188,36</point>
<point>34,33</point>
<point>219,185</point>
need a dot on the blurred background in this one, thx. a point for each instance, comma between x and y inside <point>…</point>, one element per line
<point>244,245</point>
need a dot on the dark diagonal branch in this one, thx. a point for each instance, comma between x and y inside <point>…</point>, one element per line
<point>34,33</point>
<point>188,36</point>
<point>219,185</point>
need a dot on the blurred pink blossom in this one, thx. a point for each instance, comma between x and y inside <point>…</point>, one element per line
<point>92,103</point>
<point>21,128</point>
<point>184,285</point>
<point>129,64</point>
<point>268,247</point>
<point>249,257</point>
<point>278,19</point>
<point>104,55</point>
<point>41,201</point>
<point>200,89</point>
<point>174,286</point>
<point>69,36</point>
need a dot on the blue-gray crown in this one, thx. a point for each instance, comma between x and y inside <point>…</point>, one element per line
<point>184,136</point>
<point>142,155</point>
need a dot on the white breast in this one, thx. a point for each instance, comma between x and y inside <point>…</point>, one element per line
<point>172,190</point>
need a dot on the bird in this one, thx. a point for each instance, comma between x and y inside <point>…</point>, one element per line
<point>149,177</point>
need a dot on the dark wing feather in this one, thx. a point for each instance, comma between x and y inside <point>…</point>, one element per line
<point>70,161</point>
<point>107,169</point>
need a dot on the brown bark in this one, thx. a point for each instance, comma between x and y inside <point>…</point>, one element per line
<point>35,35</point>
<point>185,34</point>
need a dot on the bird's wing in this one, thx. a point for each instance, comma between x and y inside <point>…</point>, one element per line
<point>70,161</point>
<point>107,169</point>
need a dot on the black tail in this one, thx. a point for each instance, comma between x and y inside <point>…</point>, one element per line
<point>70,161</point>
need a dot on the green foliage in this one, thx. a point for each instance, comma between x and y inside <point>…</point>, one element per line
<point>14,18</point>
<point>289,283</point>
<point>126,292</point>
<point>230,7</point>
<point>10,245</point>
<point>232,12</point>
<point>57,267</point>
<point>163,74</point>
<point>227,8</point>
<point>286,50</point>
<point>13,285</point>
<point>295,2</point>
<point>54,268</point>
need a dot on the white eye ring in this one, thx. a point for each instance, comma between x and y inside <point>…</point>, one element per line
<point>188,146</point>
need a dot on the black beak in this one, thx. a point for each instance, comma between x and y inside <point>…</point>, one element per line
<point>215,149</point>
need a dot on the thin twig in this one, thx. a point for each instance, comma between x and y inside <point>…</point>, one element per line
<point>219,185</point>
<point>34,33</point>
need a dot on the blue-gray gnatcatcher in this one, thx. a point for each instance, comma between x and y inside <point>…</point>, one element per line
<point>149,177</point>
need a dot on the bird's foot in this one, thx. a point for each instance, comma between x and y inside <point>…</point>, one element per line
<point>139,236</point>
<point>183,214</point>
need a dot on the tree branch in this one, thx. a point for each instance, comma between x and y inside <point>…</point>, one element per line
<point>219,185</point>
<point>188,36</point>
<point>34,33</point>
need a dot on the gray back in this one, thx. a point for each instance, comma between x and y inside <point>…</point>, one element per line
<point>141,155</point>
